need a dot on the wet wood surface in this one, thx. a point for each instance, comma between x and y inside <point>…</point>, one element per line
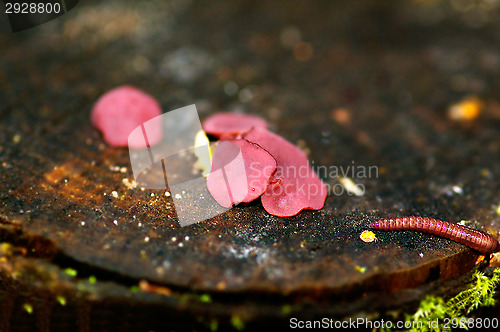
<point>358,86</point>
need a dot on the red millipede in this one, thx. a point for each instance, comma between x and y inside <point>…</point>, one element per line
<point>473,238</point>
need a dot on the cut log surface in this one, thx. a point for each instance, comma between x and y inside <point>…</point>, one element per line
<point>363,88</point>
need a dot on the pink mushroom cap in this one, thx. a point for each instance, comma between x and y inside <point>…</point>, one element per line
<point>240,172</point>
<point>227,125</point>
<point>119,111</point>
<point>294,185</point>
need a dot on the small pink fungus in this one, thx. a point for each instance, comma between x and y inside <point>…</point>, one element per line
<point>230,125</point>
<point>294,186</point>
<point>119,111</point>
<point>274,169</point>
<point>240,172</point>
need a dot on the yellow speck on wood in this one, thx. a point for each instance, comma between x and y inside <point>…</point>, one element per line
<point>360,269</point>
<point>466,110</point>
<point>16,139</point>
<point>367,236</point>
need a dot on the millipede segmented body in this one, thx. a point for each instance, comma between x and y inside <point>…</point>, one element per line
<point>473,238</point>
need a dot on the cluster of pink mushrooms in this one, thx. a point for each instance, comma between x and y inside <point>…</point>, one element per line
<point>274,169</point>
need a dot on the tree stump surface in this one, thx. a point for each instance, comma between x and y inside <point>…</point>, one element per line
<point>355,84</point>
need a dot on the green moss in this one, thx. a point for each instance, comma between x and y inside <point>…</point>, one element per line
<point>71,272</point>
<point>237,323</point>
<point>214,325</point>
<point>211,324</point>
<point>286,309</point>
<point>28,308</point>
<point>189,297</point>
<point>205,298</point>
<point>433,310</point>
<point>61,300</point>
